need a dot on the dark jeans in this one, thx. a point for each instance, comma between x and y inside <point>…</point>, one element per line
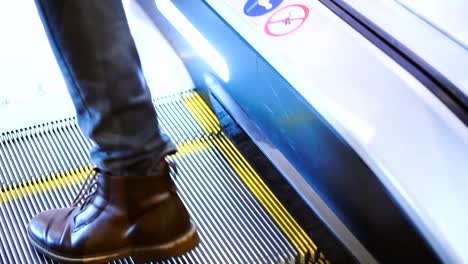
<point>93,45</point>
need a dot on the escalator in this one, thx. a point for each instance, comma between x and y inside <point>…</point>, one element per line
<point>240,219</point>
<point>278,162</point>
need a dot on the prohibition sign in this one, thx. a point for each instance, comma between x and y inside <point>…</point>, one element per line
<point>286,20</point>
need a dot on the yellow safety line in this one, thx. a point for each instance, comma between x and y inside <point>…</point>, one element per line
<point>46,183</point>
<point>190,102</point>
<point>190,147</point>
<point>210,124</point>
<point>33,186</point>
<point>239,167</point>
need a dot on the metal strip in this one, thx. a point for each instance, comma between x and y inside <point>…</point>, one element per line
<point>208,120</point>
<point>235,181</point>
<point>298,182</point>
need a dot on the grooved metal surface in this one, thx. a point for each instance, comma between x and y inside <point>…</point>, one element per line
<point>43,167</point>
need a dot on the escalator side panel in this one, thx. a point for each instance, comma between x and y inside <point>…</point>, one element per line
<point>330,166</point>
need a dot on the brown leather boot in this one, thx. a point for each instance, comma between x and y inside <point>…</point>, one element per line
<point>138,216</point>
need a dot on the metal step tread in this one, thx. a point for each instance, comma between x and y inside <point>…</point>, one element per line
<point>239,219</point>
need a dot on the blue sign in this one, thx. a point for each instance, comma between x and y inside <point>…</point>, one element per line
<point>260,7</point>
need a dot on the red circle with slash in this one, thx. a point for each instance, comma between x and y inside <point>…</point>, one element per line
<point>286,20</point>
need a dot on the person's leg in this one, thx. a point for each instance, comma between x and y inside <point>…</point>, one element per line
<point>92,42</point>
<point>135,208</point>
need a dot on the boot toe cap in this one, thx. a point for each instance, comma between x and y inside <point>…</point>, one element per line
<point>47,228</point>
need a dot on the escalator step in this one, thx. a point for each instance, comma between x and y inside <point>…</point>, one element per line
<point>239,218</point>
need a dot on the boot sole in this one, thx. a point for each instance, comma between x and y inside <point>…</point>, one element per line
<point>175,248</point>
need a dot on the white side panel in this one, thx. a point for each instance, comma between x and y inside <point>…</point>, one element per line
<point>435,45</point>
<point>414,144</point>
<point>448,16</point>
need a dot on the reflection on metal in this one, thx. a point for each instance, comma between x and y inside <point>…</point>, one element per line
<point>447,16</point>
<point>195,38</point>
<point>239,219</point>
<point>294,177</point>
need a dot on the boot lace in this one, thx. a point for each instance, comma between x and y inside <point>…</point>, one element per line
<point>88,189</point>
<point>90,185</point>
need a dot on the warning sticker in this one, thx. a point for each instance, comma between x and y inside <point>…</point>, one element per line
<point>260,7</point>
<point>286,20</point>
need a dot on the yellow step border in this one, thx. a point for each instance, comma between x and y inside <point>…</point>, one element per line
<point>43,184</point>
<point>69,178</point>
<point>208,121</point>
